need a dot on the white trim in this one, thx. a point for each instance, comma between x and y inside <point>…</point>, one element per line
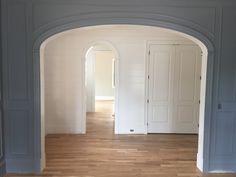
<point>116,108</point>
<point>113,73</point>
<point>200,162</point>
<point>104,98</point>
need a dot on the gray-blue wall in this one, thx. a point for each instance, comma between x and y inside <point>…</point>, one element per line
<point>26,23</point>
<point>2,164</point>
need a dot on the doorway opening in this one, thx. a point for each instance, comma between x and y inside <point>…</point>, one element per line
<point>133,43</point>
<point>101,88</point>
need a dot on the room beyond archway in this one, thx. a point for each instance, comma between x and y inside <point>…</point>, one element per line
<point>101,84</point>
<point>133,82</point>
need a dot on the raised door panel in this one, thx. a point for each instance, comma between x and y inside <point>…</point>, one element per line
<point>187,89</point>
<point>160,88</point>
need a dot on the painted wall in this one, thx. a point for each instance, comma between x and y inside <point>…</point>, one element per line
<point>24,27</point>
<point>90,65</point>
<point>2,158</point>
<point>63,63</point>
<point>103,71</point>
<point>64,67</point>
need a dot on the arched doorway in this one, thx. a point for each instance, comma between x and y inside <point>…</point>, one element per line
<point>205,50</point>
<point>101,77</point>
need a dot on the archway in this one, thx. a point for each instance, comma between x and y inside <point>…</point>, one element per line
<point>202,125</point>
<point>90,80</point>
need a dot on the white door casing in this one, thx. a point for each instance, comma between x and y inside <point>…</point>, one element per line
<point>174,88</point>
<point>90,81</point>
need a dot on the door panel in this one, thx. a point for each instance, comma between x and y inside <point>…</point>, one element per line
<point>160,88</point>
<point>187,89</point>
<point>174,88</point>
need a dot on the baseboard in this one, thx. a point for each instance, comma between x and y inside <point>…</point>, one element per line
<point>222,167</point>
<point>62,129</point>
<point>138,129</point>
<point>20,165</point>
<point>2,169</point>
<point>200,162</point>
<point>43,162</point>
<point>108,98</point>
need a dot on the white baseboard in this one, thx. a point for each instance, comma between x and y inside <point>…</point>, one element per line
<point>200,163</point>
<point>63,129</point>
<point>104,98</point>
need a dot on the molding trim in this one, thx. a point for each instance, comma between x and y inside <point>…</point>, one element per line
<point>104,98</point>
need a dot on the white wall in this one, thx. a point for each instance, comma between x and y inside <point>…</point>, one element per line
<point>202,110</point>
<point>64,75</point>
<point>103,75</point>
<point>90,80</point>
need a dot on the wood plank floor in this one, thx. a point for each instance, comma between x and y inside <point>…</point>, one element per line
<point>100,153</point>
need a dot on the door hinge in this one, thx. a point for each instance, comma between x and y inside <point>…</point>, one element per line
<point>147,100</point>
<point>149,52</point>
<point>199,101</point>
<point>200,77</point>
<point>148,77</point>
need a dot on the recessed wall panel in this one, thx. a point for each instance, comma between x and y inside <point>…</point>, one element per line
<point>17,49</point>
<point>225,136</point>
<point>19,133</point>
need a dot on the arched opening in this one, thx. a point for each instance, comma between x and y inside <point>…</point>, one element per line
<point>101,82</point>
<point>118,127</point>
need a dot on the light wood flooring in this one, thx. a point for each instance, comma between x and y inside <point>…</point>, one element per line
<point>100,153</point>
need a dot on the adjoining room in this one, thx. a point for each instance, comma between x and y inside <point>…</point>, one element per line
<point>118,95</point>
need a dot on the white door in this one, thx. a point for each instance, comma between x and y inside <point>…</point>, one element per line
<point>174,88</point>
<point>161,77</point>
<point>187,89</point>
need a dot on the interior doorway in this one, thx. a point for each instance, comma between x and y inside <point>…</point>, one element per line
<point>100,83</point>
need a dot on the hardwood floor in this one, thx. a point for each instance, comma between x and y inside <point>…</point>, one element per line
<point>100,153</point>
